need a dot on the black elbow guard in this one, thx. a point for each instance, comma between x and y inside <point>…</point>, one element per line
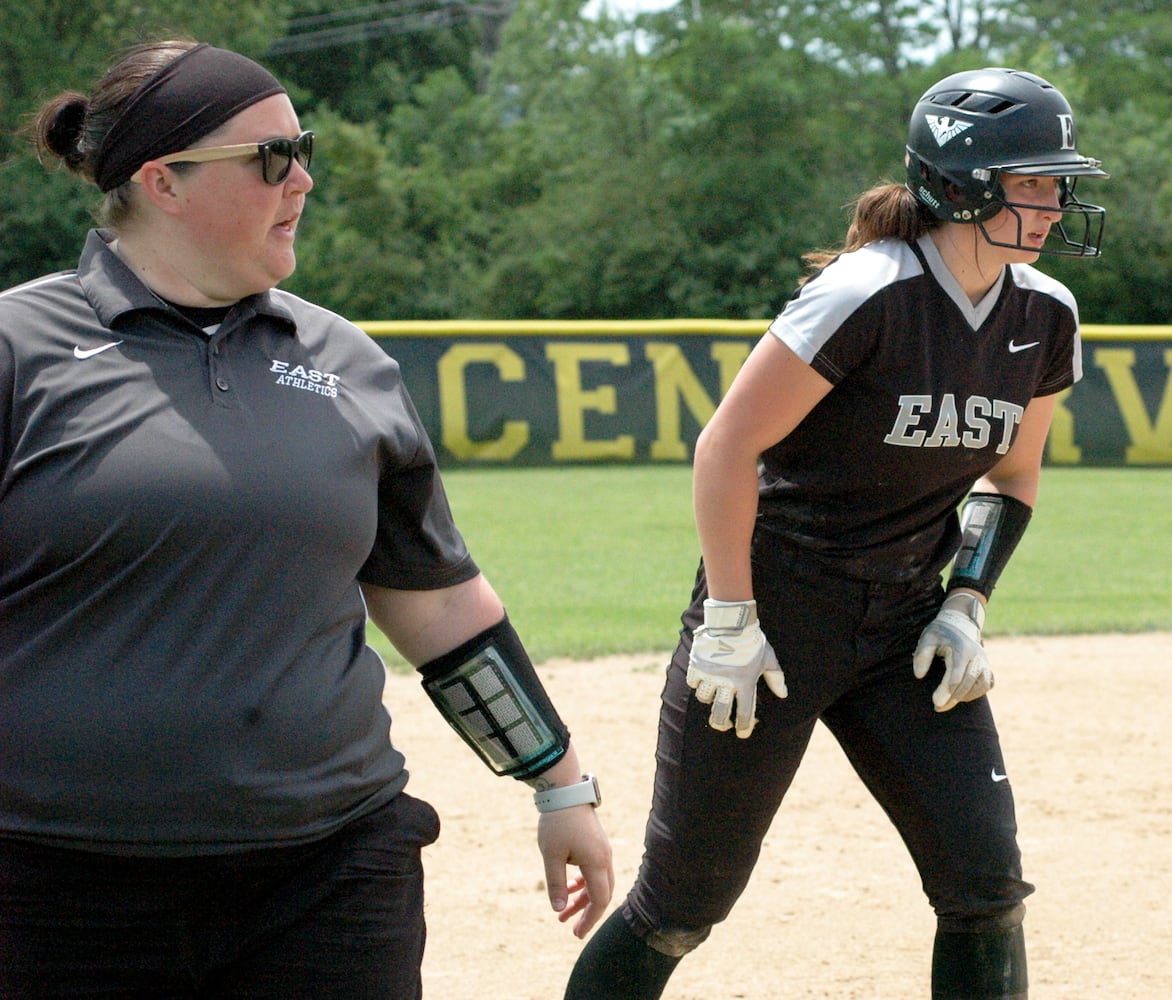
<point>489,693</point>
<point>991,525</point>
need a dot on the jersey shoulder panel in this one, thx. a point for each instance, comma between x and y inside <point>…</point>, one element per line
<point>1054,311</point>
<point>828,300</point>
<point>1030,279</point>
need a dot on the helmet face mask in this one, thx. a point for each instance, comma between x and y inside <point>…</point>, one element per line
<point>973,127</point>
<point>1078,233</point>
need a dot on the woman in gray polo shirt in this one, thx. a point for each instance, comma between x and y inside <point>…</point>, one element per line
<point>207,486</point>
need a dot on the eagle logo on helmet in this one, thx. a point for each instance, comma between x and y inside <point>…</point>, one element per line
<point>944,129</point>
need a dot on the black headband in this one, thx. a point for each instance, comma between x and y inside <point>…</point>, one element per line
<point>189,98</point>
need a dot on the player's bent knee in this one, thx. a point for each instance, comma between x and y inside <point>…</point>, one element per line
<point>676,942</point>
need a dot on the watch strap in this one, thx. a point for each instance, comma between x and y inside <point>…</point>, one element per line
<point>584,792</point>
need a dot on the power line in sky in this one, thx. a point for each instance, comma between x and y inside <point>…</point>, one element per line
<point>398,17</point>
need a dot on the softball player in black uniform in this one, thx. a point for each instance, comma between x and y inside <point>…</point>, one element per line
<point>913,374</point>
<point>207,485</point>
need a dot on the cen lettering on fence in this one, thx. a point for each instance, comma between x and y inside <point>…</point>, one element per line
<point>537,392</point>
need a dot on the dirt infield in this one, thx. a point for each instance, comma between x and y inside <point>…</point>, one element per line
<point>834,908</point>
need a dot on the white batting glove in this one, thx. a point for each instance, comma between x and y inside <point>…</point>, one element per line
<point>955,635</point>
<point>729,655</point>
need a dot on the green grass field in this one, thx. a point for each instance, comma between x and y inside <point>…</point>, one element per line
<point>597,560</point>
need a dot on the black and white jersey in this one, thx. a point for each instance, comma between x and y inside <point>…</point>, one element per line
<point>928,392</point>
<point>183,522</point>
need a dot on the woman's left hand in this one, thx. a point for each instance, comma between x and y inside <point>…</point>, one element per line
<point>574,836</point>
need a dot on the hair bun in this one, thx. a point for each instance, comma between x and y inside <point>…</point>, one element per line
<point>62,137</point>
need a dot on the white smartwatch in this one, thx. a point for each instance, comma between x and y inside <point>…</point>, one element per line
<point>585,792</point>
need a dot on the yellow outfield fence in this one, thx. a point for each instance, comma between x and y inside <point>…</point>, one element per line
<point>545,392</point>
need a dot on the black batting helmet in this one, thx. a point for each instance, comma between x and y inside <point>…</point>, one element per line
<point>973,126</point>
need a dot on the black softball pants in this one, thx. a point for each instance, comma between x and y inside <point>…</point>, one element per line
<point>846,649</point>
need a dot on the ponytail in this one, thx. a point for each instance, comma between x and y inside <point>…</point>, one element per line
<point>886,211</point>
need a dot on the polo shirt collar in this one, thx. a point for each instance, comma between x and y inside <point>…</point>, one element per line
<point>114,290</point>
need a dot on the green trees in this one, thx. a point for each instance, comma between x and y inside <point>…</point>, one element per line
<point>518,159</point>
<point>47,46</point>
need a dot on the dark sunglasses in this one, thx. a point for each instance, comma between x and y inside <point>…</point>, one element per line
<point>276,156</point>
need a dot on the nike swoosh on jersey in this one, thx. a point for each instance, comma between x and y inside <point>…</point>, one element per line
<point>81,354</point>
<point>998,777</point>
<point>1014,348</point>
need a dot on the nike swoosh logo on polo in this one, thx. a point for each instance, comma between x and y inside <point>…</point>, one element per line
<point>998,777</point>
<point>1014,348</point>
<point>81,355</point>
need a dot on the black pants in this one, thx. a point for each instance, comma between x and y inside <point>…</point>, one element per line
<point>846,649</point>
<point>339,918</point>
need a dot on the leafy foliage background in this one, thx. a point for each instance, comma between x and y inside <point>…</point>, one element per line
<point>537,159</point>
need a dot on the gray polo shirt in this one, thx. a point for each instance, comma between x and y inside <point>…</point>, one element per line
<point>184,519</point>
